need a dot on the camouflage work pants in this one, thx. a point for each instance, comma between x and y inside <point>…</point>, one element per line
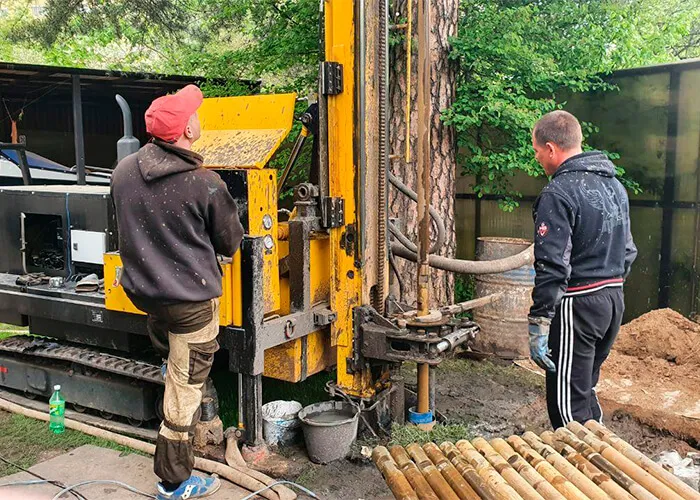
<point>191,331</point>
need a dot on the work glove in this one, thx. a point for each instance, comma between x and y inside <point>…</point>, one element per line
<point>538,328</point>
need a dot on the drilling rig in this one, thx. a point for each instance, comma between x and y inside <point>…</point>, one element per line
<point>309,290</point>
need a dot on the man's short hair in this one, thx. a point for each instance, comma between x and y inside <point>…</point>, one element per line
<point>559,127</point>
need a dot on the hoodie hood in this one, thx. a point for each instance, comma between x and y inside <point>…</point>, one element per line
<point>159,159</point>
<point>591,161</point>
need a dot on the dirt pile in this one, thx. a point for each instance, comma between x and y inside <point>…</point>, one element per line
<point>663,334</point>
<point>652,373</point>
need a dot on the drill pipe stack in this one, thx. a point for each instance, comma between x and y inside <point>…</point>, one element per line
<point>574,463</point>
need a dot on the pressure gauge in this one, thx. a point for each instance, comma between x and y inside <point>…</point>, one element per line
<point>267,221</point>
<point>268,242</point>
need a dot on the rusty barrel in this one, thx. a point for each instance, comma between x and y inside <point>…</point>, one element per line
<point>504,322</point>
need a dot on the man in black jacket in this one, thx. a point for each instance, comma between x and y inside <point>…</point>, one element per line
<point>583,253</point>
<point>174,217</point>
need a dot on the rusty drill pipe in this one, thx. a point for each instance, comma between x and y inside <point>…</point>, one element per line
<point>462,306</point>
<point>526,470</point>
<point>643,461</point>
<point>614,490</point>
<point>448,471</point>
<point>423,159</point>
<point>414,476</point>
<point>488,473</point>
<point>423,388</point>
<point>468,472</point>
<point>636,473</point>
<point>578,478</point>
<point>441,487</point>
<point>508,473</point>
<point>546,470</point>
<point>636,490</point>
<point>397,482</point>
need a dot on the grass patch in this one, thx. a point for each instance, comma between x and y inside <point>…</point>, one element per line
<point>306,478</point>
<point>25,441</point>
<point>7,327</point>
<point>11,330</point>
<point>407,434</point>
<point>501,372</point>
<point>311,390</point>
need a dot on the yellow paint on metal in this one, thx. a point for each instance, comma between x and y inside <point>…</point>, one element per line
<point>224,149</point>
<point>117,300</point>
<point>320,276</point>
<point>262,212</point>
<point>237,290</point>
<point>346,279</point>
<point>115,297</point>
<point>244,132</point>
<point>285,362</point>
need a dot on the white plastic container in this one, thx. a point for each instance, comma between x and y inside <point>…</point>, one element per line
<point>281,422</point>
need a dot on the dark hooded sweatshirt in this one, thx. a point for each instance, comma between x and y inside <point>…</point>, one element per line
<point>174,217</point>
<point>582,232</point>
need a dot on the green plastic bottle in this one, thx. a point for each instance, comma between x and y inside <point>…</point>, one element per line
<point>57,409</point>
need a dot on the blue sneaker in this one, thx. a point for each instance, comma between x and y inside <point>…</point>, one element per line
<point>194,487</point>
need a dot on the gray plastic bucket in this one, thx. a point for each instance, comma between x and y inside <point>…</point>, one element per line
<point>280,422</point>
<point>330,428</point>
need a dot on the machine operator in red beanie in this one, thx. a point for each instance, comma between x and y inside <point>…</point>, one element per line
<point>174,218</point>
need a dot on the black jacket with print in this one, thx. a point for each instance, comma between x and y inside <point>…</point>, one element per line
<point>582,231</point>
<point>174,216</point>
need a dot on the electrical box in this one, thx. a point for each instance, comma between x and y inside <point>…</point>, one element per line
<point>88,247</point>
<point>36,223</point>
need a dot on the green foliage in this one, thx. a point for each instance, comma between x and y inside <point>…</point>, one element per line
<point>465,287</point>
<point>24,441</point>
<point>514,59</point>
<point>280,46</point>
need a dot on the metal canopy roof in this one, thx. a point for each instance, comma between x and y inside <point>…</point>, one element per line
<point>23,78</point>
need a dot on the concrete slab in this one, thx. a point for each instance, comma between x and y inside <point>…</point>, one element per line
<point>92,462</point>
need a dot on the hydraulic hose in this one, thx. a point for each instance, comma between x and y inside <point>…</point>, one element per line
<point>439,223</point>
<point>470,266</point>
<point>397,275</point>
<point>404,240</point>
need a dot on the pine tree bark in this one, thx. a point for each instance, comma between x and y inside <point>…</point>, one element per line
<point>444,14</point>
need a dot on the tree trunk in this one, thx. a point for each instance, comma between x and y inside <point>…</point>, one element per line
<point>444,14</point>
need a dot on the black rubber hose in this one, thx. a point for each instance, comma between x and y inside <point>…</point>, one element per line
<point>439,223</point>
<point>459,266</point>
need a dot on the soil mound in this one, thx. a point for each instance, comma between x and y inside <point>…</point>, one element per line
<point>663,334</point>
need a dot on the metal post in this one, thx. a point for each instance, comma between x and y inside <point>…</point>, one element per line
<point>432,387</point>
<point>24,166</point>
<point>424,186</point>
<point>252,408</point>
<point>78,135</point>
<point>669,193</point>
<point>252,366</point>
<point>299,265</point>
<point>382,199</point>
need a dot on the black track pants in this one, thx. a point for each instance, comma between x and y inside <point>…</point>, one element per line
<point>581,336</point>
